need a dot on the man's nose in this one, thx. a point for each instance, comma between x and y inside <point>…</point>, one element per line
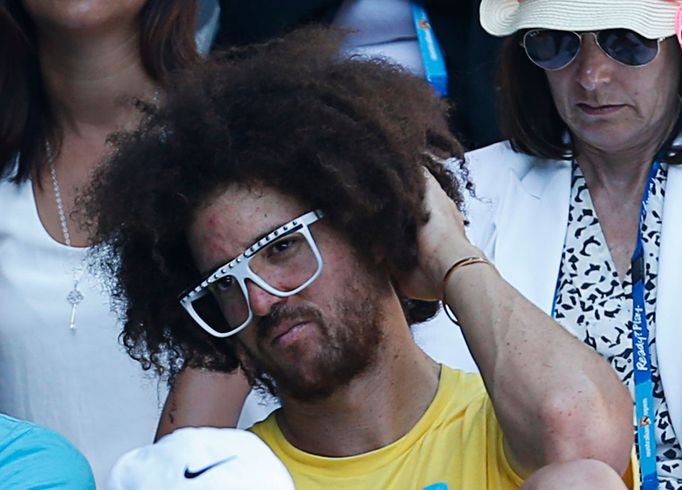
<point>593,67</point>
<point>261,301</point>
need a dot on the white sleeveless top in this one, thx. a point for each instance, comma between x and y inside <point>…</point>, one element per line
<point>80,383</point>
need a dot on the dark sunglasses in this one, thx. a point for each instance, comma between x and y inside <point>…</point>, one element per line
<point>553,49</point>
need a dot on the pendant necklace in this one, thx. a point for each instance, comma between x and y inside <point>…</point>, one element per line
<point>75,296</point>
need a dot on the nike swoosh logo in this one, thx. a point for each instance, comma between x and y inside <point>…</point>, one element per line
<point>193,474</point>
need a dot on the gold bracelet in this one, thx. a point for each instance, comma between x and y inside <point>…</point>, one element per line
<point>458,265</point>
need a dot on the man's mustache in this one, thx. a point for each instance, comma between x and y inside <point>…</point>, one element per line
<point>282,312</point>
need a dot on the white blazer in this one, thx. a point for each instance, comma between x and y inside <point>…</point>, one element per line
<point>519,219</point>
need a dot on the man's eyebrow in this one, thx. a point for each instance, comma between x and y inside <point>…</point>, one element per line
<point>210,270</point>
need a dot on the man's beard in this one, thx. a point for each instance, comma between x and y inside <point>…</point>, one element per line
<point>350,342</point>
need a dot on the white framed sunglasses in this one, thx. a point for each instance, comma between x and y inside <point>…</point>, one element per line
<point>283,263</point>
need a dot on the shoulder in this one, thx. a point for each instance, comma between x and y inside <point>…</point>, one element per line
<point>490,169</point>
<point>34,456</point>
<point>489,165</point>
<point>486,165</point>
<point>498,173</point>
<point>468,389</point>
<point>466,384</point>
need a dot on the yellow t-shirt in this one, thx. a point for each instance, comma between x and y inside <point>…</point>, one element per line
<point>456,445</point>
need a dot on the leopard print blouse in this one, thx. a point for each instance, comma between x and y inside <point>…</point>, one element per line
<point>592,303</point>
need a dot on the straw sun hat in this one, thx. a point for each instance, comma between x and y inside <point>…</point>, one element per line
<point>652,19</point>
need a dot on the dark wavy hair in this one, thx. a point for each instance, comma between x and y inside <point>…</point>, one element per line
<point>527,114</point>
<point>166,44</point>
<point>349,136</point>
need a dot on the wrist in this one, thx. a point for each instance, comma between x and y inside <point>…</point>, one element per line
<point>450,272</point>
<point>445,259</point>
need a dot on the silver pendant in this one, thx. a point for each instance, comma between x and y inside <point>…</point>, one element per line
<point>74,298</point>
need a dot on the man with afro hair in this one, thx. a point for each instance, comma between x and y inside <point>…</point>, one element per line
<point>288,213</point>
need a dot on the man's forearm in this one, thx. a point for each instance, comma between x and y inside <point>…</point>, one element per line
<point>203,398</point>
<point>555,398</point>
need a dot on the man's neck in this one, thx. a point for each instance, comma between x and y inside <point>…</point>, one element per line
<point>372,411</point>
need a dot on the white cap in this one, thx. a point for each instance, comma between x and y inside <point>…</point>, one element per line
<point>652,19</point>
<point>202,458</point>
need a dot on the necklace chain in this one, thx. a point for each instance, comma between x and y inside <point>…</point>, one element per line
<point>58,198</point>
<point>75,296</point>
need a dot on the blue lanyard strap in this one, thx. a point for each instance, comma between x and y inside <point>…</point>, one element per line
<point>641,357</point>
<point>432,56</point>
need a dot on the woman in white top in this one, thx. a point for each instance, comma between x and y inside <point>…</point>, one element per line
<point>70,73</point>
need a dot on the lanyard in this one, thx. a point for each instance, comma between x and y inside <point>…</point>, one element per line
<point>432,55</point>
<point>641,357</point>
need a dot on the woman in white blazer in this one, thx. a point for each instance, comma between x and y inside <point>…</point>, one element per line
<point>581,209</point>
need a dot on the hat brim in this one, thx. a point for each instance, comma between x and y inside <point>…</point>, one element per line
<point>653,19</point>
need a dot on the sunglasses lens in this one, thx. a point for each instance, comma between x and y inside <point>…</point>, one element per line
<point>550,49</point>
<point>285,265</point>
<point>628,47</point>
<point>225,309</point>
